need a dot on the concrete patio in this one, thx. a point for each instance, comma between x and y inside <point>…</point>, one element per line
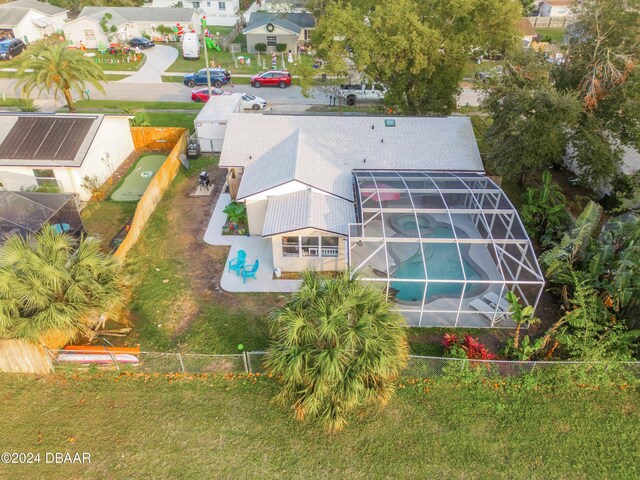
<point>257,248</point>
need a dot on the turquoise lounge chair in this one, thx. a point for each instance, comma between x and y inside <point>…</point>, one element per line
<point>237,264</point>
<point>250,271</point>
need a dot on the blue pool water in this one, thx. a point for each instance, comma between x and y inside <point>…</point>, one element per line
<point>442,262</point>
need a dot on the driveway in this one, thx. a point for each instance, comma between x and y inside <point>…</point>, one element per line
<point>159,58</point>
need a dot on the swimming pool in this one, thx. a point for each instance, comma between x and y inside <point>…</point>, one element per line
<point>443,263</point>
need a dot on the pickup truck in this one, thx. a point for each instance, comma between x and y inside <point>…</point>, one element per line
<point>363,92</point>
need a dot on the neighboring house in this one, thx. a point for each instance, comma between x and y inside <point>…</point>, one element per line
<point>60,149</point>
<point>527,32</point>
<point>555,8</point>
<point>401,201</point>
<point>223,13</point>
<point>284,6</point>
<point>30,20</point>
<point>293,29</point>
<point>129,21</point>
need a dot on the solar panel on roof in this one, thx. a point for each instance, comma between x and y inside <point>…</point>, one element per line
<point>45,138</point>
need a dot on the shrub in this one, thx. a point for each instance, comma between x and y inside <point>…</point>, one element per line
<point>236,212</point>
<point>260,47</point>
<point>466,347</point>
<point>281,47</point>
<point>92,183</point>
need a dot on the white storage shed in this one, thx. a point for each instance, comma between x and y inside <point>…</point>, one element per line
<point>211,122</point>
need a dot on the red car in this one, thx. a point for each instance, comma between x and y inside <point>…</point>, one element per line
<point>273,77</point>
<point>202,94</point>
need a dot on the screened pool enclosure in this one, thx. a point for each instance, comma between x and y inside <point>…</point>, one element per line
<point>446,247</point>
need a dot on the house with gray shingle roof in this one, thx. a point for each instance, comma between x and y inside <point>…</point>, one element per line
<point>296,173</point>
<point>292,29</point>
<point>129,22</point>
<point>30,20</point>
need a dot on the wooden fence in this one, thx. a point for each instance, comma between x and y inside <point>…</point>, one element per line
<point>550,22</point>
<point>20,356</point>
<point>152,139</point>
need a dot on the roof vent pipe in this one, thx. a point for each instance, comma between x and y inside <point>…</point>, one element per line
<point>372,127</point>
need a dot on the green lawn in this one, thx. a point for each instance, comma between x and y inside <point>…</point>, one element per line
<point>105,60</point>
<point>132,105</point>
<point>556,34</point>
<point>105,219</point>
<point>172,119</point>
<point>226,59</point>
<point>188,427</point>
<point>471,67</point>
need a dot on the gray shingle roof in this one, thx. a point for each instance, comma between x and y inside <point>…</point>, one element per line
<point>274,18</point>
<point>308,209</point>
<point>43,7</point>
<point>142,14</point>
<point>321,151</point>
<point>303,20</point>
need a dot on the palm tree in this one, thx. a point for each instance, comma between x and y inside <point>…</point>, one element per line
<point>336,346</point>
<point>57,68</point>
<point>54,287</point>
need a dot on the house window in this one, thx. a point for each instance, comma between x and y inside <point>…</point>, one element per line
<point>290,246</point>
<point>45,178</point>
<point>222,5</point>
<point>89,35</point>
<point>196,4</point>
<point>310,246</point>
<point>271,40</point>
<point>208,4</point>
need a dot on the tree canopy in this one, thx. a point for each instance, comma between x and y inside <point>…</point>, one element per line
<point>417,48</point>
<point>336,346</point>
<point>55,288</point>
<point>58,69</point>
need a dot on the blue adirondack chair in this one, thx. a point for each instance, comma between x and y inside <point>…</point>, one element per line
<point>250,271</point>
<point>237,264</point>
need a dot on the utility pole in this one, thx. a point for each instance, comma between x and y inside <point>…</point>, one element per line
<point>206,53</point>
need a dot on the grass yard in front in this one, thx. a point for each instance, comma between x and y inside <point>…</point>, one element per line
<point>199,426</point>
<point>133,105</point>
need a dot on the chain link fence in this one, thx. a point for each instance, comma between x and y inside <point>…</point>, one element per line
<point>252,362</point>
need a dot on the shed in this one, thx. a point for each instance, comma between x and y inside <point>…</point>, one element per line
<point>211,122</point>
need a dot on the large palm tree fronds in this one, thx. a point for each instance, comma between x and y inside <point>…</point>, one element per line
<point>336,346</point>
<point>50,283</point>
<point>58,69</point>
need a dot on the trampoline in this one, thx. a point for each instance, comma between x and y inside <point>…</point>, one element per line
<point>137,180</point>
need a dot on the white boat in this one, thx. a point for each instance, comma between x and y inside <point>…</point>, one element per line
<point>101,358</point>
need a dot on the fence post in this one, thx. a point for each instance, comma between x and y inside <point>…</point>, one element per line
<point>181,362</point>
<point>247,362</point>
<point>113,357</point>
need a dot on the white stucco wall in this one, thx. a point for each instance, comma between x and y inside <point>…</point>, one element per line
<point>298,264</point>
<point>215,16</point>
<point>111,146</point>
<point>547,10</point>
<point>27,31</point>
<point>75,31</point>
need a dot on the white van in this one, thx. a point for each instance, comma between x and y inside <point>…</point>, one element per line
<point>190,46</point>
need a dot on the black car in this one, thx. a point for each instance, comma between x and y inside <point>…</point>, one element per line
<point>141,42</point>
<point>11,48</point>
<point>218,77</point>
